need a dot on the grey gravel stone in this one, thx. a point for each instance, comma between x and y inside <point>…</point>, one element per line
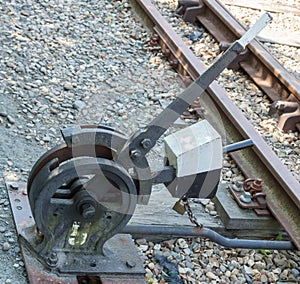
<point>5,246</point>
<point>248,279</point>
<point>10,119</point>
<point>182,243</point>
<point>213,213</point>
<point>210,207</point>
<point>141,241</point>
<point>204,201</point>
<point>3,113</point>
<point>263,278</point>
<point>295,272</point>
<point>211,276</point>
<point>223,268</point>
<point>68,86</point>
<point>157,246</point>
<point>79,104</point>
<point>46,138</point>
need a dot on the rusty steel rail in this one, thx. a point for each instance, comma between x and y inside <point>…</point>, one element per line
<point>257,62</point>
<point>282,189</point>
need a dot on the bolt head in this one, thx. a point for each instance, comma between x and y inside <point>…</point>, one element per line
<point>135,154</point>
<point>174,63</point>
<point>130,263</point>
<point>88,211</point>
<point>246,197</point>
<point>52,259</point>
<point>14,185</point>
<point>146,143</point>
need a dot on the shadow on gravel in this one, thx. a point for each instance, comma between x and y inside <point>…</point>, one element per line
<point>170,268</point>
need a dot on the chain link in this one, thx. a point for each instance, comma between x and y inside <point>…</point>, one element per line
<point>190,213</point>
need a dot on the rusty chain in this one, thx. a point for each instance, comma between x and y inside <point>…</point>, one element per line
<point>190,213</point>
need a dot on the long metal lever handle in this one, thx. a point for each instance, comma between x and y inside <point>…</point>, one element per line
<point>255,29</point>
<point>142,141</point>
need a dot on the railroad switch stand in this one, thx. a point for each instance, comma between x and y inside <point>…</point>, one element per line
<point>81,194</point>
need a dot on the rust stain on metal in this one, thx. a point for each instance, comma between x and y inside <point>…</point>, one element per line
<point>288,113</point>
<point>197,229</point>
<point>20,207</point>
<point>257,198</point>
<point>36,271</point>
<point>24,221</point>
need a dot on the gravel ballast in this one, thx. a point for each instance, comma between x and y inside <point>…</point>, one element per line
<point>87,62</point>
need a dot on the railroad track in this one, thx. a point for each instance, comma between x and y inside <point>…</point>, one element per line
<point>268,74</point>
<point>281,187</point>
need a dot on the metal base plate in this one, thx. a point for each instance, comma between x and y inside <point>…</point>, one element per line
<point>119,264</point>
<point>258,208</point>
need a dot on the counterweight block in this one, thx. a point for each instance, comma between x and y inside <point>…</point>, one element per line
<point>196,154</point>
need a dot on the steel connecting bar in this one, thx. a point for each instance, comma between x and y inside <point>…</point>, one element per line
<point>238,146</point>
<point>281,187</point>
<point>181,231</point>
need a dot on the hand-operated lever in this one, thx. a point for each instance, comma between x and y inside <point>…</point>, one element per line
<point>142,141</point>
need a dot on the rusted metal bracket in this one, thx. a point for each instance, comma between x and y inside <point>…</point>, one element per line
<point>183,5</point>
<point>288,113</point>
<point>235,65</point>
<point>190,9</point>
<point>250,195</point>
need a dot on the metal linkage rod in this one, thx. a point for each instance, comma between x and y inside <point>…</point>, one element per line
<point>237,146</point>
<point>182,231</point>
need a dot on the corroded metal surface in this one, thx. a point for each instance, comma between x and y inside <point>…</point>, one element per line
<point>258,206</point>
<point>119,263</point>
